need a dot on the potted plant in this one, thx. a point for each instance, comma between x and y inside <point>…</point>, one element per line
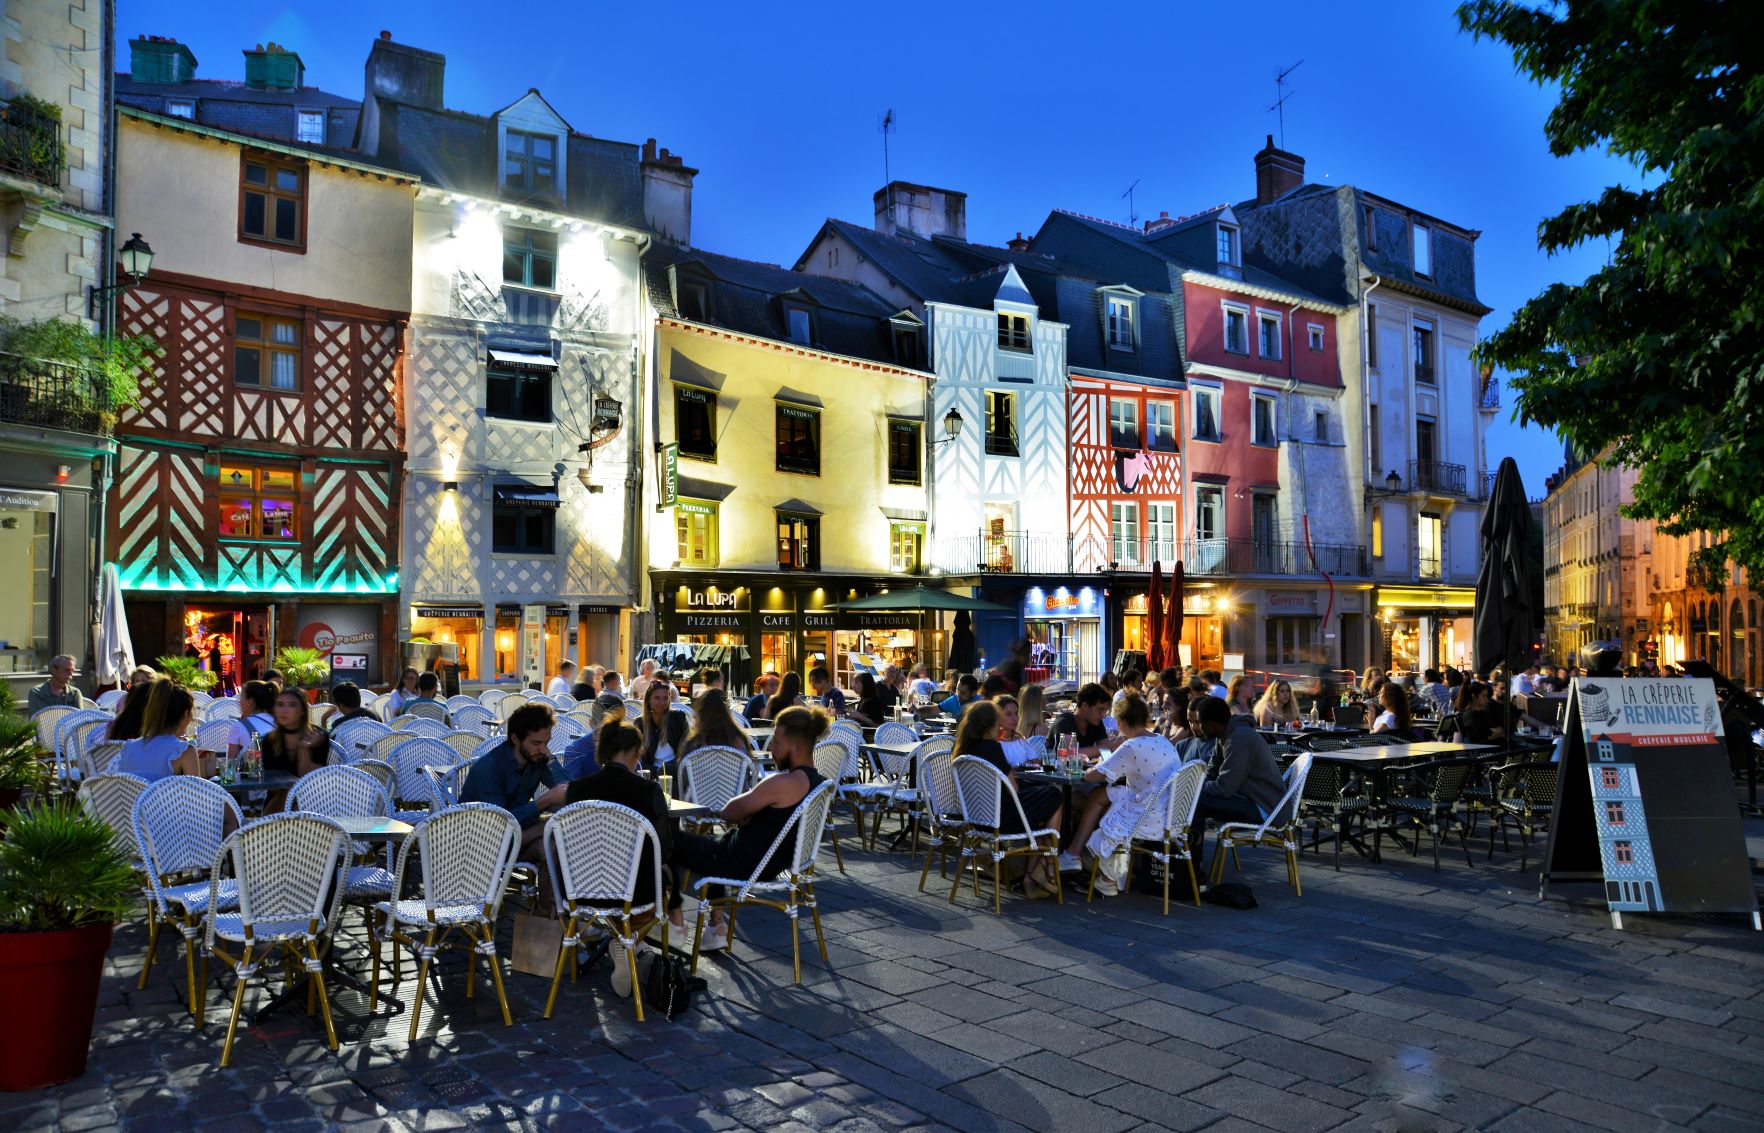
<point>185,672</point>
<point>303,668</point>
<point>64,881</point>
<point>22,765</point>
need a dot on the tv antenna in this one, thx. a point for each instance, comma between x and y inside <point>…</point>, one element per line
<point>1283,94</point>
<point>1132,217</point>
<point>885,127</point>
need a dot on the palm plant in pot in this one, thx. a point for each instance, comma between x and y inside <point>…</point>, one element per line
<point>303,668</point>
<point>64,881</point>
<point>186,672</point>
<point>23,765</point>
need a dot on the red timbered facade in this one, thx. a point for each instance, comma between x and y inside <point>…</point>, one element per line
<point>1124,474</point>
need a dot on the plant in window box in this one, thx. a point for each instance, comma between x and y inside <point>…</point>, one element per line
<point>303,668</point>
<point>64,881</point>
<point>186,672</point>
<point>109,374</point>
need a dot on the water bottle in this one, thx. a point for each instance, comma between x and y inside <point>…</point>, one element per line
<point>254,758</point>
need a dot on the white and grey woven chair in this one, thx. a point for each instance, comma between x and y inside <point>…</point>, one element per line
<point>112,798</point>
<point>416,723</point>
<point>941,810</point>
<point>894,732</point>
<point>1165,821</point>
<point>485,747</point>
<point>212,736</point>
<point>47,720</point>
<point>713,775</point>
<point>225,708</point>
<point>354,739</point>
<point>410,786</point>
<point>567,728</point>
<point>894,789</point>
<point>446,783</point>
<point>465,743</point>
<point>112,700</point>
<point>67,729</point>
<point>350,792</point>
<point>740,717</point>
<point>179,823</point>
<point>465,854</point>
<point>78,742</point>
<point>491,697</point>
<point>789,891</point>
<point>983,792</point>
<point>379,769</point>
<point>830,760</point>
<point>201,700</point>
<point>454,703</point>
<point>1281,831</point>
<point>422,710</point>
<point>594,851</point>
<point>317,714</point>
<point>474,718</point>
<point>100,758</point>
<point>284,871</point>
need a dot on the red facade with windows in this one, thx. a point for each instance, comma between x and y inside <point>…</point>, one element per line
<point>1109,470</point>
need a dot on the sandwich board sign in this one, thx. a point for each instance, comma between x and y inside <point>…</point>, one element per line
<point>1645,800</point>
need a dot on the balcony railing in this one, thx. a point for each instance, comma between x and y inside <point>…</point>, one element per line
<point>30,145</point>
<point>1437,478</point>
<point>53,395</point>
<point>1019,552</point>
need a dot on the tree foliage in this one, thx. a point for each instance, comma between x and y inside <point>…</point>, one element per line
<point>1659,356</point>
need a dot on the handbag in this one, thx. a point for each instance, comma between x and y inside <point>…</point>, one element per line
<point>668,988</point>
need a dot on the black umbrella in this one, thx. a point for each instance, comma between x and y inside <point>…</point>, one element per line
<point>1503,606</point>
<point>963,652</point>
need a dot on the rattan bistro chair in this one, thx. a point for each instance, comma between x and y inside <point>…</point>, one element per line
<point>595,850</point>
<point>466,854</point>
<point>830,759</point>
<point>1438,808</point>
<point>285,870</point>
<point>1525,795</point>
<point>713,775</point>
<point>794,888</point>
<point>179,825</point>
<point>350,792</point>
<point>982,790</point>
<point>941,813</point>
<point>894,732</point>
<point>355,738</point>
<point>1166,821</point>
<point>1327,802</point>
<point>1281,830</point>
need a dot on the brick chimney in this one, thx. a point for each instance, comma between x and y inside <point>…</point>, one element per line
<point>667,193</point>
<point>402,73</point>
<point>1277,172</point>
<point>921,210</point>
<point>160,59</point>
<point>1163,221</point>
<point>1019,244</point>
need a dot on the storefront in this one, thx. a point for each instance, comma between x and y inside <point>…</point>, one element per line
<point>1425,628</point>
<point>236,636</point>
<point>45,552</point>
<point>1064,628</point>
<point>493,648</point>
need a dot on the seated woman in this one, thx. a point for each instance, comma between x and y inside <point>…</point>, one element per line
<point>758,816</point>
<point>663,727</point>
<point>1135,773</point>
<point>1479,722</point>
<point>1018,749</point>
<point>132,714</point>
<point>1032,711</point>
<point>161,750</point>
<point>294,746</point>
<point>1174,725</point>
<point>1041,803</point>
<point>1395,718</point>
<point>868,711</point>
<point>1277,707</point>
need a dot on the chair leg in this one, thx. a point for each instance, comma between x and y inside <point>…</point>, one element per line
<point>198,985</point>
<point>997,897</point>
<point>1216,868</point>
<point>929,850</point>
<point>1168,861</point>
<point>564,955</point>
<point>422,988</point>
<point>698,932</point>
<point>1059,886</point>
<point>1193,883</point>
<point>1338,824</point>
<point>152,946</point>
<point>1292,863</point>
<point>961,864</point>
<point>815,915</point>
<point>1090,890</point>
<point>496,973</point>
<point>1236,862</point>
<point>636,984</point>
<point>729,925</point>
<point>324,999</point>
<point>238,1006</point>
<point>838,858</point>
<point>1436,835</point>
<point>795,944</point>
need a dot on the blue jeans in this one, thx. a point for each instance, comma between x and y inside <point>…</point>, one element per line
<point>1222,808</point>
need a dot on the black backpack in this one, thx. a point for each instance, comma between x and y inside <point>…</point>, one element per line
<point>669,988</point>
<point>1231,894</point>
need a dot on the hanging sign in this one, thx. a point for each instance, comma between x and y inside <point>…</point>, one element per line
<point>670,474</point>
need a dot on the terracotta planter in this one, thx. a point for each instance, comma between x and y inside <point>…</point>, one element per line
<point>49,993</point>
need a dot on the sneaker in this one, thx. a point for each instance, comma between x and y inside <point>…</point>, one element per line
<point>1069,863</point>
<point>715,939</point>
<point>1105,885</point>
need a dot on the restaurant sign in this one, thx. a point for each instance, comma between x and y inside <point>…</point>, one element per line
<point>670,474</point>
<point>1060,602</point>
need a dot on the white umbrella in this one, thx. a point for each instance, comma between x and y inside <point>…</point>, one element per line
<point>115,652</point>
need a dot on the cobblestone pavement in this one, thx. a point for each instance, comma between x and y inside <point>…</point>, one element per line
<point>1387,997</point>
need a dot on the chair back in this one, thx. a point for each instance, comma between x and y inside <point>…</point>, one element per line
<point>317,714</point>
<point>1324,783</point>
<point>594,850</point>
<point>466,853</point>
<point>418,710</point>
<point>179,823</point>
<point>937,780</point>
<point>463,742</point>
<point>472,717</point>
<point>225,708</point>
<point>811,820</point>
<point>383,745</point>
<point>97,759</point>
<point>78,737</point>
<point>489,698</point>
<point>1449,781</point>
<point>894,732</point>
<point>1349,715</point>
<point>379,769</point>
<point>633,709</point>
<point>46,721</point>
<point>714,775</point>
<point>455,703</point>
<point>1180,796</point>
<point>445,783</point>
<point>212,736</point>
<point>1296,774</point>
<point>980,790</point>
<point>830,760</point>
<point>112,798</point>
<point>485,747</point>
<point>340,792</point>
<point>567,728</point>
<point>288,868</point>
<point>112,700</point>
<point>1540,781</point>
<point>355,738</point>
<point>408,759</point>
<point>72,720</point>
<point>740,718</point>
<point>563,702</point>
<point>202,699</point>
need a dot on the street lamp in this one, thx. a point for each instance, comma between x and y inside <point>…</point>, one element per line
<point>137,257</point>
<point>952,426</point>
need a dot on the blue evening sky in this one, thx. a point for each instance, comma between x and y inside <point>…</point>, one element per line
<point>1025,107</point>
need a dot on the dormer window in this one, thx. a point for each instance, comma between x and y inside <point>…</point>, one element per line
<point>180,108</point>
<point>1423,237</point>
<point>799,325</point>
<point>309,127</point>
<point>1120,322</point>
<point>693,300</point>
<point>1230,252</point>
<point>529,163</point>
<point>906,343</point>
<point>1013,332</point>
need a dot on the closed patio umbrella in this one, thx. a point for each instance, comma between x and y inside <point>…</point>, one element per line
<point>1173,619</point>
<point>114,653</point>
<point>963,650</point>
<point>1503,609</point>
<point>1154,620</point>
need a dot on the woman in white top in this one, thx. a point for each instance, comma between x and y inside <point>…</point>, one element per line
<point>1134,772</point>
<point>1395,717</point>
<point>257,705</point>
<point>1018,749</point>
<point>1032,711</point>
<point>1277,706</point>
<point>406,691</point>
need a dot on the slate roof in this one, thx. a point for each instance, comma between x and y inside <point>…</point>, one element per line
<point>1155,355</point>
<point>749,298</point>
<point>1167,245</point>
<point>946,270</point>
<point>240,109</point>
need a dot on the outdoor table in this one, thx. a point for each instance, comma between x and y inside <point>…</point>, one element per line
<point>1379,761</point>
<point>759,734</point>
<point>1069,784</point>
<point>680,808</point>
<point>271,781</point>
<point>374,828</point>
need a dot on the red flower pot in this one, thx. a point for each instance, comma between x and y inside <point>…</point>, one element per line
<point>49,993</point>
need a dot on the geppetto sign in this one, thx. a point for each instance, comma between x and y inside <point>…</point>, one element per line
<point>1645,800</point>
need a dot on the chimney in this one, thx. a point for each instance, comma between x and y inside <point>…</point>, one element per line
<point>1163,221</point>
<point>667,194</point>
<point>159,59</point>
<point>1018,245</point>
<point>921,210</point>
<point>1277,172</point>
<point>401,73</point>
<point>273,67</point>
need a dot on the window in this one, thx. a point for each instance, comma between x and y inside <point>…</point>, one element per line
<point>695,533</point>
<point>1206,414</point>
<point>904,452</point>
<point>1369,221</point>
<point>799,326</point>
<point>1262,527</point>
<point>266,352</point>
<point>1262,431</point>
<point>529,258</point>
<point>1425,453</point>
<point>694,301</point>
<point>1209,513</point>
<point>1320,426</point>
<point>1423,352</point>
<point>695,422</point>
<point>1314,336</point>
<point>1622,853</point>
<point>1268,335</point>
<point>517,395</point>
<point>1427,545</point>
<point>1614,814</point>
<point>1374,442</point>
<point>1001,423</point>
<point>1120,322</point>
<point>529,162</point>
<point>906,546</point>
<point>1123,422</point>
<point>906,345</point>
<point>1228,246</point>
<point>799,541</point>
<point>1372,335</point>
<point>1124,533</point>
<point>1160,426</point>
<point>799,440</point>
<point>1236,329</point>
<point>1608,778</point>
<point>522,524</point>
<point>1013,332</point>
<point>180,108</point>
<point>1377,531</point>
<point>258,503</point>
<point>309,127</point>
<point>1423,250</point>
<point>272,200</point>
<point>1160,531</point>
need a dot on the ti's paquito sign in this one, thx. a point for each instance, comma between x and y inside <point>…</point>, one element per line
<point>319,636</point>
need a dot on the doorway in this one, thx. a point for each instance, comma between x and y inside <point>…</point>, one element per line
<point>235,643</point>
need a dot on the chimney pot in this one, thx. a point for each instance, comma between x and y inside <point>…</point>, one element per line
<point>386,35</point>
<point>921,210</point>
<point>1278,172</point>
<point>1019,244</point>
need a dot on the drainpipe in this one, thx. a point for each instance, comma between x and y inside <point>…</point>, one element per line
<point>107,324</point>
<point>1366,416</point>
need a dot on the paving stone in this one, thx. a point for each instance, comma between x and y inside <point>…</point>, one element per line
<point>1038,1106</point>
<point>1275,1108</point>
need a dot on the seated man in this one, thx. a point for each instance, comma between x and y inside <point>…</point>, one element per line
<point>347,698</point>
<point>1245,785</point>
<point>564,680</point>
<point>57,691</point>
<point>579,757</point>
<point>511,774</point>
<point>1084,722</point>
<point>756,705</point>
<point>821,685</point>
<point>966,690</point>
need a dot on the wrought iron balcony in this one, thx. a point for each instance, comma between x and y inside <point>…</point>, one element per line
<point>30,145</point>
<point>1019,552</point>
<point>53,395</point>
<point>1437,478</point>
